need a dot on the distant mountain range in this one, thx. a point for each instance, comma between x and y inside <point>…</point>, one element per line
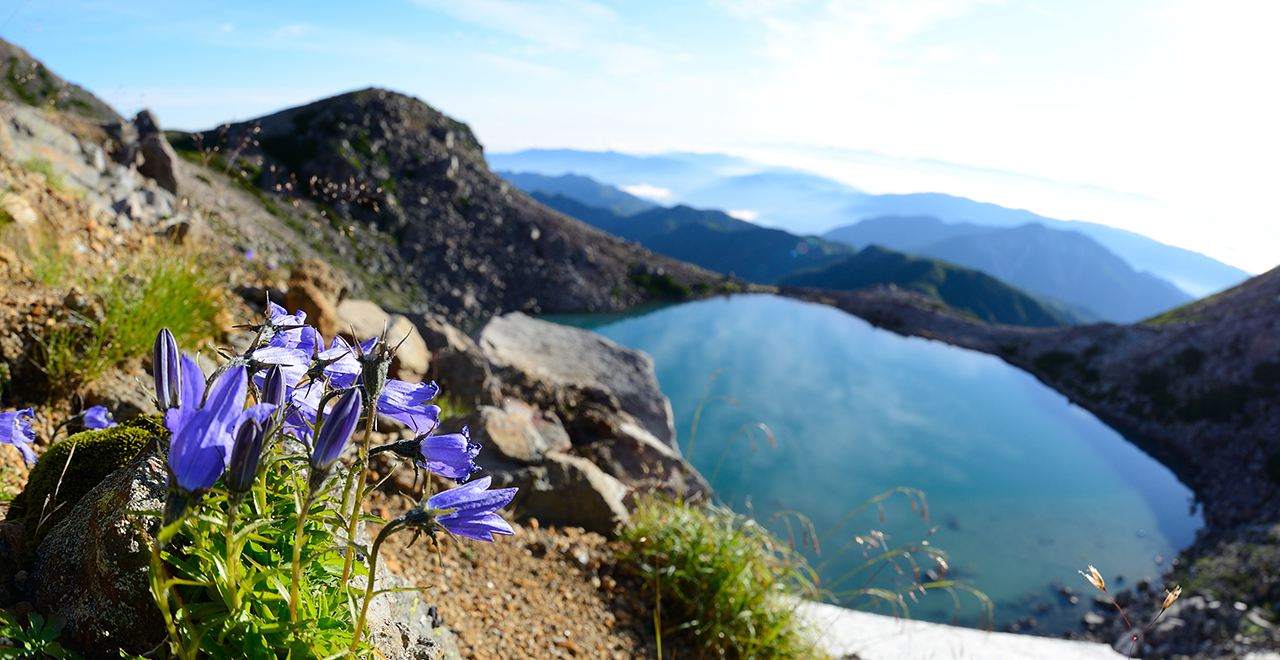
<point>582,188</point>
<point>1067,266</point>
<point>710,239</point>
<point>716,241</point>
<point>968,290</point>
<point>806,203</point>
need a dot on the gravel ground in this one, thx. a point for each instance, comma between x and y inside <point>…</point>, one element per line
<point>543,593</point>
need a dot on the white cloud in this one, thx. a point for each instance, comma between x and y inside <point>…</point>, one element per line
<point>648,191</point>
<point>746,215</point>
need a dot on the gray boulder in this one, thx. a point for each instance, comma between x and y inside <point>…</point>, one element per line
<point>563,490</point>
<point>159,160</point>
<point>93,566</point>
<point>457,365</point>
<point>583,377</point>
<point>633,456</point>
<point>516,432</point>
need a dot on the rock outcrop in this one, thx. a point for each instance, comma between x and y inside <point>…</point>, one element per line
<point>418,206</point>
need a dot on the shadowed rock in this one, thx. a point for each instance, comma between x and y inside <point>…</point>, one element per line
<point>93,567</point>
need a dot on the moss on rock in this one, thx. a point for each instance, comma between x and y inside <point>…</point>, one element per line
<point>97,454</point>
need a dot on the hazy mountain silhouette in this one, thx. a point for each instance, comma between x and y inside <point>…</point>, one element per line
<point>716,241</point>
<point>803,202</point>
<point>961,288</point>
<point>584,189</point>
<point>1063,265</point>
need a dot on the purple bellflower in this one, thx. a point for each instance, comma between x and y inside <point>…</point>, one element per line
<point>166,369</point>
<point>201,444</point>
<point>200,447</point>
<point>451,455</point>
<point>333,437</point>
<point>468,511</point>
<point>97,418</point>
<point>16,430</point>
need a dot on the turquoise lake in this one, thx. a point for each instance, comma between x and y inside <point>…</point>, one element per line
<point>1023,487</point>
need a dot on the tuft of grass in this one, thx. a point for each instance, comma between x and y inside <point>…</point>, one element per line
<point>725,583</point>
<point>452,406</point>
<point>52,177</point>
<point>169,287</point>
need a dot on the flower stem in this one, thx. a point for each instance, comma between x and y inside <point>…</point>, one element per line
<point>362,463</point>
<point>368,588</point>
<point>160,589</point>
<point>297,561</point>
<point>233,562</point>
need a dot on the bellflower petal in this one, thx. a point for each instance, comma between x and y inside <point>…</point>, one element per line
<point>281,316</point>
<point>474,508</point>
<point>407,404</point>
<point>293,361</point>
<point>303,338</point>
<point>192,396</point>
<point>304,403</point>
<point>343,369</point>
<point>17,431</point>
<point>201,448</point>
<point>451,455</point>
<point>97,418</point>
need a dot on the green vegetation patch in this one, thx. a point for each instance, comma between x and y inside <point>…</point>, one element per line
<point>964,290</point>
<point>171,288</point>
<point>43,166</point>
<point>50,494</point>
<point>660,285</point>
<point>1238,568</point>
<point>726,583</point>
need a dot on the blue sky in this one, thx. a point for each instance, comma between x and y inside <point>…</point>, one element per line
<point>1154,116</point>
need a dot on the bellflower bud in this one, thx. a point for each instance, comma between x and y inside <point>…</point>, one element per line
<point>333,437</point>
<point>273,387</point>
<point>166,370</point>
<point>246,452</point>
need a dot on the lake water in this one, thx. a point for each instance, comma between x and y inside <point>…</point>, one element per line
<point>1023,487</point>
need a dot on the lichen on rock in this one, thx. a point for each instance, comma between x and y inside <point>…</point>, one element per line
<point>97,454</point>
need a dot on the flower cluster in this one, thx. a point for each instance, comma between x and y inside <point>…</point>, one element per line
<point>288,386</point>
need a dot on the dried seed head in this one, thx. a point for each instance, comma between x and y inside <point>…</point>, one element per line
<point>1094,578</point>
<point>1171,597</point>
